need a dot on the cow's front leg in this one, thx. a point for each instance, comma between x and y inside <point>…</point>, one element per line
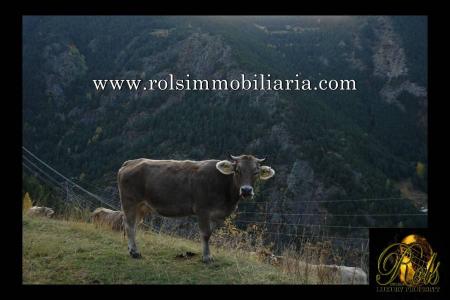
<point>205,234</point>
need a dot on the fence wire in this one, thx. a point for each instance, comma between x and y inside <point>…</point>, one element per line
<point>74,193</point>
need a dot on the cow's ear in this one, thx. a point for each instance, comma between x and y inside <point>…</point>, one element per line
<point>225,167</point>
<point>266,172</point>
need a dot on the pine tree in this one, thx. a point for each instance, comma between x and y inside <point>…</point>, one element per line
<point>420,169</point>
<point>27,203</point>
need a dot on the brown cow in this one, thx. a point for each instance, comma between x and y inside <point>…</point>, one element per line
<point>108,217</point>
<point>209,189</point>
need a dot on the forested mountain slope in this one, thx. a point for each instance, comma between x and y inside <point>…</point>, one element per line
<point>323,145</point>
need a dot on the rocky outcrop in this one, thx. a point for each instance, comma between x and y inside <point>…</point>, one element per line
<point>390,62</point>
<point>391,92</point>
<point>204,56</point>
<point>63,64</point>
<point>389,57</point>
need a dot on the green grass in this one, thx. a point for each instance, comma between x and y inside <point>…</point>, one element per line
<point>68,252</point>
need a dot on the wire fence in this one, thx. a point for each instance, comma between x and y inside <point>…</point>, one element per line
<point>335,215</point>
<point>71,191</point>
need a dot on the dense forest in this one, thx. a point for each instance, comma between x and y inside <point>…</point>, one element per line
<point>325,146</point>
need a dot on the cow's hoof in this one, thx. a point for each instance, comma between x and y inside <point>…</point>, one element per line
<point>207,259</point>
<point>135,254</point>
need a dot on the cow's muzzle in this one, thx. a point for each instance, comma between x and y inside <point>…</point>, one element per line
<point>246,191</point>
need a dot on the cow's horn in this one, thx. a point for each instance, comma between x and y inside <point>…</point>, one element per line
<point>260,159</point>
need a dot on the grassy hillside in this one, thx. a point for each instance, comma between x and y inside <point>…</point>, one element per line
<point>68,252</point>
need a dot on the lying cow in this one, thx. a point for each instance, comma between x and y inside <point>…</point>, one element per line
<point>209,189</point>
<point>108,217</point>
<point>341,274</point>
<point>41,211</point>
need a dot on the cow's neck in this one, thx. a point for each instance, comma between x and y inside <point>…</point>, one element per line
<point>234,193</point>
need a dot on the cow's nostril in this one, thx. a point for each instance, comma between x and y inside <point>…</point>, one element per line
<point>246,190</point>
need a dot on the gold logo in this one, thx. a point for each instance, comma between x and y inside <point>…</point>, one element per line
<point>411,263</point>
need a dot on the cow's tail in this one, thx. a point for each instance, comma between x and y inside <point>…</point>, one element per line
<point>126,163</point>
<point>123,225</point>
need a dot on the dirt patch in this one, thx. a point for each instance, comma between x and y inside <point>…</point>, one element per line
<point>186,255</point>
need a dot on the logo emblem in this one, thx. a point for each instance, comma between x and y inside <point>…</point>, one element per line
<point>410,265</point>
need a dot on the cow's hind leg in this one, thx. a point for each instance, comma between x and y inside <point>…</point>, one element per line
<point>205,234</point>
<point>130,216</point>
<point>143,210</point>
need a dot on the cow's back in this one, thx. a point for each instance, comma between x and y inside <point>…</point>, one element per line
<point>168,186</point>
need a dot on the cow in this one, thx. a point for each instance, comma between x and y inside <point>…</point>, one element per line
<point>322,273</point>
<point>340,274</point>
<point>108,217</point>
<point>208,189</point>
<point>41,211</point>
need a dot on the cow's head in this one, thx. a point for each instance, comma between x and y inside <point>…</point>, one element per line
<point>246,170</point>
<point>49,212</point>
